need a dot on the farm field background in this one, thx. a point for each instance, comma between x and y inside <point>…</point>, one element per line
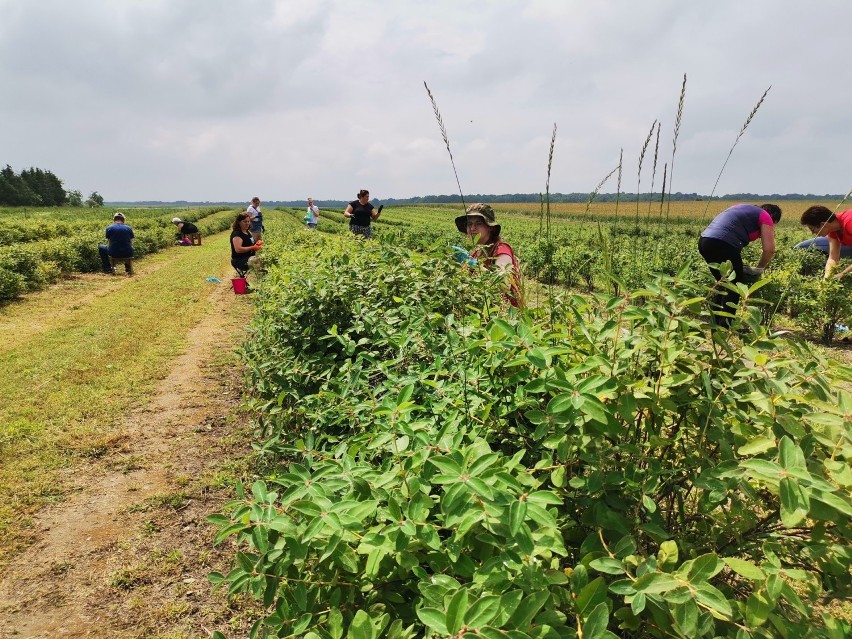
<point>426,461</point>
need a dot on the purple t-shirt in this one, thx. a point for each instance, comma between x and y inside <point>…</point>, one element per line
<point>738,225</point>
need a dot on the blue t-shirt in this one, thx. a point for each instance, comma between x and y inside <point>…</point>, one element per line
<point>738,225</point>
<point>119,236</point>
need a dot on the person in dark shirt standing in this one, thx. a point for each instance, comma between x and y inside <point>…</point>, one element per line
<point>119,246</point>
<point>361,214</point>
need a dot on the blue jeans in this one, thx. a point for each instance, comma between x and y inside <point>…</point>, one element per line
<point>103,252</point>
<point>821,244</point>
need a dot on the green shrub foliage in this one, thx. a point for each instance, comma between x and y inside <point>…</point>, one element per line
<point>36,252</point>
<point>436,465</point>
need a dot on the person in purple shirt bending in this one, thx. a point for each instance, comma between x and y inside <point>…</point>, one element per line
<point>726,237</point>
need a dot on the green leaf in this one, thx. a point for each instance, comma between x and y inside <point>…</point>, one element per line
<point>335,623</point>
<point>656,582</point>
<point>594,626</point>
<point>649,504</point>
<point>446,465</point>
<point>517,513</point>
<point>434,619</point>
<point>762,468</point>
<point>704,567</point>
<point>637,605</point>
<point>758,608</point>
<point>523,616</point>
<point>258,488</point>
<point>591,594</point>
<point>361,627</point>
<point>714,600</point>
<point>544,497</point>
<point>686,616</point>
<point>304,621</point>
<point>482,463</point>
<point>607,565</point>
<point>667,555</point>
<point>794,502</point>
<point>456,611</point>
<point>791,456</point>
<point>482,611</point>
<point>509,603</point>
<point>832,500</point>
<point>745,568</point>
<point>538,358</point>
<point>757,445</point>
<point>374,560</point>
<point>557,477</point>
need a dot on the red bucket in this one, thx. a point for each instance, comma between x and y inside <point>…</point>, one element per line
<point>240,285</point>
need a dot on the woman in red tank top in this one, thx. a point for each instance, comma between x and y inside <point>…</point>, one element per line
<point>479,222</point>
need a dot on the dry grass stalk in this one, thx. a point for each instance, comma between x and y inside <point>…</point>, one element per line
<point>663,192</point>
<point>845,197</point>
<point>547,184</point>
<point>733,146</point>
<point>678,120</point>
<point>618,186</point>
<point>446,140</point>
<point>639,172</point>
<point>654,172</point>
<point>594,193</point>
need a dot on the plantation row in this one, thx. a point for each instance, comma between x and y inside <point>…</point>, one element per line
<point>36,250</point>
<point>435,465</point>
<point>583,256</point>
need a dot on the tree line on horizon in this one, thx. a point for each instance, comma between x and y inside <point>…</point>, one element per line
<point>38,187</point>
<point>506,198</point>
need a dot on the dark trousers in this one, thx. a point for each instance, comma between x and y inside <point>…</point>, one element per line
<point>715,252</point>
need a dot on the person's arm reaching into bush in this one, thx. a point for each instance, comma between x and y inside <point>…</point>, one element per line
<point>833,258</point>
<point>767,240</point>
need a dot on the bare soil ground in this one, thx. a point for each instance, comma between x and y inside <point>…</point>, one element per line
<point>127,555</point>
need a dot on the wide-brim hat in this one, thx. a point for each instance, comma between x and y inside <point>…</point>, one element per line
<point>175,220</point>
<point>477,210</point>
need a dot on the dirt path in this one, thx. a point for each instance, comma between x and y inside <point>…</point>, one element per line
<point>127,555</point>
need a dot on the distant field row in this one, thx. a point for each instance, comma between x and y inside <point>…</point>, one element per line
<point>679,212</point>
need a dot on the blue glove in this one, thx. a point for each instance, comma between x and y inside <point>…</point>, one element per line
<point>461,256</point>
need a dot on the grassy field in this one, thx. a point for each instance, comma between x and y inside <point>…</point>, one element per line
<point>75,357</point>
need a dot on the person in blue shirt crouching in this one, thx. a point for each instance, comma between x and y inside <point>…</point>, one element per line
<point>119,246</point>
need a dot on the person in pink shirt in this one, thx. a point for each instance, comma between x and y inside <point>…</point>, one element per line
<point>837,227</point>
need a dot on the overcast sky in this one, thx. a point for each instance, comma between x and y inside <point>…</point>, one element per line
<point>224,99</point>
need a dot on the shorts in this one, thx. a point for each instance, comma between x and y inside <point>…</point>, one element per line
<point>312,225</point>
<point>256,225</point>
<point>366,231</point>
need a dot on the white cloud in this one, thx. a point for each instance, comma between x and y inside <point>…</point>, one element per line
<point>211,99</point>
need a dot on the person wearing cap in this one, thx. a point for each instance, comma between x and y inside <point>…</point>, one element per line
<point>183,228</point>
<point>480,224</point>
<point>119,246</point>
<point>256,216</point>
<point>361,214</point>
